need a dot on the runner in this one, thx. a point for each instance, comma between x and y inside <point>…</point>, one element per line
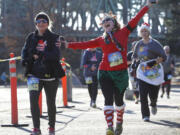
<point>132,75</point>
<point>113,75</point>
<point>40,57</point>
<point>168,66</point>
<point>91,60</point>
<point>149,53</point>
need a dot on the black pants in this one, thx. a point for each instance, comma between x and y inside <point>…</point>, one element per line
<point>167,84</point>
<point>93,88</point>
<point>146,90</point>
<point>168,88</point>
<point>111,93</point>
<point>50,88</point>
<point>136,93</point>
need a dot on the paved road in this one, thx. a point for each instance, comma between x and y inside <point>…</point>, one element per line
<point>83,120</point>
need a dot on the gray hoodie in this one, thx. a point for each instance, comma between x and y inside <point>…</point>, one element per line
<point>149,51</point>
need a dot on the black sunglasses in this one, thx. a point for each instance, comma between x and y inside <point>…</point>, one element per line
<point>41,21</point>
<point>107,19</point>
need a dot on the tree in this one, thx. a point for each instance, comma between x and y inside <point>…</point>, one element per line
<point>172,23</point>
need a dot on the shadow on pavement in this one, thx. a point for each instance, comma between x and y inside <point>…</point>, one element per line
<point>62,122</point>
<point>66,123</point>
<point>67,116</point>
<point>176,91</point>
<point>76,102</point>
<point>79,110</point>
<point>166,123</point>
<point>129,112</point>
<point>24,129</point>
<point>167,106</point>
<point>171,124</point>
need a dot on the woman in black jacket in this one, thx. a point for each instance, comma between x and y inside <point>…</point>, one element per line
<point>40,57</point>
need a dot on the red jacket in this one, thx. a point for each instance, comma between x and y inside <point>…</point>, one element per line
<point>109,49</point>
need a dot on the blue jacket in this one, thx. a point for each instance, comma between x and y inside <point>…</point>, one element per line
<point>91,58</point>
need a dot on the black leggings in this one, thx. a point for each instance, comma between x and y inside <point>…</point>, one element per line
<point>167,84</point>
<point>111,93</point>
<point>50,88</point>
<point>93,88</point>
<point>146,90</point>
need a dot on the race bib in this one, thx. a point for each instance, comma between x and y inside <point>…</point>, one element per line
<point>169,77</point>
<point>152,75</point>
<point>88,80</point>
<point>33,83</point>
<point>115,59</point>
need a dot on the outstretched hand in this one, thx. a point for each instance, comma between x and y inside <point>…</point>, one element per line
<point>61,42</point>
<point>149,4</point>
<point>64,43</point>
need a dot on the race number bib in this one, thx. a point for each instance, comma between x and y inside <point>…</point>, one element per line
<point>33,83</point>
<point>115,59</point>
<point>88,80</point>
<point>152,75</point>
<point>169,77</point>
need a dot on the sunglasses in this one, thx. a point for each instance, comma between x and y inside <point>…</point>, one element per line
<point>106,20</point>
<point>41,21</point>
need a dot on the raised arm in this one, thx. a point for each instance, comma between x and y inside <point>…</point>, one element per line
<point>134,21</point>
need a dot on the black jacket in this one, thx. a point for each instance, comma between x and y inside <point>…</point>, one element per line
<point>87,62</point>
<point>47,65</point>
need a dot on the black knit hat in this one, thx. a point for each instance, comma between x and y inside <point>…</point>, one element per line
<point>42,15</point>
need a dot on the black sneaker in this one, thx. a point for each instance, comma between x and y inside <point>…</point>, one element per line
<point>93,105</point>
<point>154,110</point>
<point>146,119</point>
<point>119,129</point>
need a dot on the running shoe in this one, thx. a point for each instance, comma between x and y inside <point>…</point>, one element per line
<point>36,131</point>
<point>110,131</point>
<point>119,129</point>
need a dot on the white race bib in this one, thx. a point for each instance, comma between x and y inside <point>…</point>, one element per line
<point>154,75</point>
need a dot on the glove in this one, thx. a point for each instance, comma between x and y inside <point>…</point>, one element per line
<point>151,63</point>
